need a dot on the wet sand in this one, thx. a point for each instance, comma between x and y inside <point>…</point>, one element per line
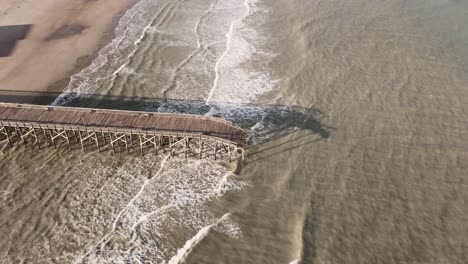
<point>360,157</point>
<point>64,38</point>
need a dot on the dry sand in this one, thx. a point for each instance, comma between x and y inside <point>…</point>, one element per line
<point>65,37</point>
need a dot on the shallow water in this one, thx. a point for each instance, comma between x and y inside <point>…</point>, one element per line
<point>357,111</point>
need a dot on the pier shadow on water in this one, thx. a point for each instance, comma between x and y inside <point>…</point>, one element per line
<point>267,125</point>
<point>274,129</point>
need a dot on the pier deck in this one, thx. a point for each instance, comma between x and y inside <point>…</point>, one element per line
<point>119,128</point>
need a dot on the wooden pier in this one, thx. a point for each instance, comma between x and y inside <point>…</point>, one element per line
<point>190,135</point>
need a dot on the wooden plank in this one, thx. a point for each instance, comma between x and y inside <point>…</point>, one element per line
<point>17,115</point>
<point>154,123</point>
<point>6,113</point>
<point>74,118</point>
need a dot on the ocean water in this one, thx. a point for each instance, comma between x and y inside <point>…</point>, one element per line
<point>357,112</point>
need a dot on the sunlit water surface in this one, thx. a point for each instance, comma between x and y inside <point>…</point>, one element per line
<point>357,112</point>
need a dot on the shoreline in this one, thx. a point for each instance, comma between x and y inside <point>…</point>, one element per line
<point>57,47</point>
<point>83,62</point>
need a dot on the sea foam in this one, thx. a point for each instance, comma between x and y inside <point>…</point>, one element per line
<point>170,203</point>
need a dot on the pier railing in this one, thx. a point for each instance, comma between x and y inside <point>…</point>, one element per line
<point>120,130</point>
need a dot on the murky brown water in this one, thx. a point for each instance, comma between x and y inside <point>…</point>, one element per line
<point>361,157</point>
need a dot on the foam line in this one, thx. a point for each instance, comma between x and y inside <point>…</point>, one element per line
<point>135,50</point>
<point>102,55</point>
<point>202,18</point>
<point>139,40</point>
<point>145,217</point>
<point>229,36</point>
<point>183,253</point>
<point>199,48</point>
<point>124,35</point>
<point>104,239</point>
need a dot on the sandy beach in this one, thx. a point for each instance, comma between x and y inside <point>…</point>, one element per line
<point>357,113</point>
<point>64,38</point>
